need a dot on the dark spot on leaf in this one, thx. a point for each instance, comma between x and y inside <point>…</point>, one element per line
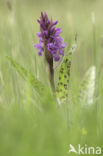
<point>62,68</point>
<point>61,83</point>
<point>70,53</point>
<point>68,73</point>
<point>59,78</point>
<point>66,60</point>
<point>65,76</point>
<point>61,71</point>
<point>58,83</point>
<point>65,86</point>
<point>68,66</point>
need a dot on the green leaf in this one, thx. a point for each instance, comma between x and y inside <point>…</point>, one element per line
<point>27,76</point>
<point>62,88</point>
<point>87,87</point>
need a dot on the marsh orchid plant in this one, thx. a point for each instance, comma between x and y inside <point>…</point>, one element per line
<point>52,46</point>
<point>50,43</point>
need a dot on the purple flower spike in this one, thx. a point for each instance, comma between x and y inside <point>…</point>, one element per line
<point>49,39</point>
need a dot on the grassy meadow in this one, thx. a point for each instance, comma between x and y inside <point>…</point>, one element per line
<point>33,124</point>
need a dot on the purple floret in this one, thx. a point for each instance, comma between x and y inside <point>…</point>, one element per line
<point>49,38</point>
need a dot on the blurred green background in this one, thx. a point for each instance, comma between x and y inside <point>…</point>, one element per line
<point>48,132</point>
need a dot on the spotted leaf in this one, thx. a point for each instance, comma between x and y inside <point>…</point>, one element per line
<point>62,88</point>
